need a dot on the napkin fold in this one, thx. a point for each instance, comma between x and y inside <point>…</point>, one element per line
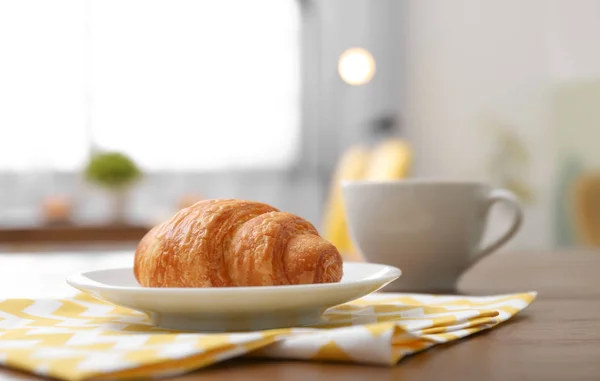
<point>82,337</point>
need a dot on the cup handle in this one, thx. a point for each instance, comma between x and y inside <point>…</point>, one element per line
<point>508,198</point>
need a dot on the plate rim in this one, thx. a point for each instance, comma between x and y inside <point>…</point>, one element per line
<point>82,281</point>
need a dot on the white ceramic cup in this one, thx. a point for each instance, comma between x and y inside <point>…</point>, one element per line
<point>430,229</point>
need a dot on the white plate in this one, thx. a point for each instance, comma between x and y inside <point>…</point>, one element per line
<point>234,308</point>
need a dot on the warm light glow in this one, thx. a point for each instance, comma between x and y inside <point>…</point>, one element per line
<point>356,66</point>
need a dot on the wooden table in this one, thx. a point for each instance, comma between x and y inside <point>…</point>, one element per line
<point>68,233</point>
<point>556,338</point>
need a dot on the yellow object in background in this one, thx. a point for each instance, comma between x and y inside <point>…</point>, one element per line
<point>586,192</point>
<point>389,160</point>
<point>352,166</point>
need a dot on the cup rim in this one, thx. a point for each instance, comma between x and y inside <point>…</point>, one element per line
<point>413,181</point>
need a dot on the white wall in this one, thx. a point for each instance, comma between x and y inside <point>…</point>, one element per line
<point>472,62</point>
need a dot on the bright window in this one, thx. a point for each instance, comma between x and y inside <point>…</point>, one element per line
<point>176,84</point>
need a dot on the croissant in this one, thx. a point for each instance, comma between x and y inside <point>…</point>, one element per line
<point>232,243</point>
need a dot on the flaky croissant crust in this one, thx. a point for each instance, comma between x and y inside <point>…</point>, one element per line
<point>229,242</point>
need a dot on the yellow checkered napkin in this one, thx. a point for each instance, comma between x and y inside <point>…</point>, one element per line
<point>82,337</point>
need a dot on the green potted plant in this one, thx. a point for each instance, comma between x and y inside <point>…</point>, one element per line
<point>116,173</point>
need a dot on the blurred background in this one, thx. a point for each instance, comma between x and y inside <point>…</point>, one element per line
<point>115,114</point>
